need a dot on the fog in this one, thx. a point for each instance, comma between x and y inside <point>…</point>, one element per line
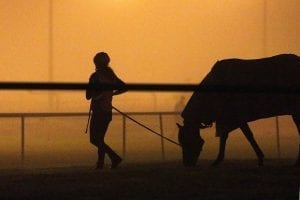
<point>149,42</point>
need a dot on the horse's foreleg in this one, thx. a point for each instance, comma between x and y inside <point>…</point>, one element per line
<point>220,158</point>
<point>249,135</point>
<point>297,122</point>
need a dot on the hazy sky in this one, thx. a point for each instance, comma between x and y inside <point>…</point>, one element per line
<point>159,41</point>
<point>149,41</point>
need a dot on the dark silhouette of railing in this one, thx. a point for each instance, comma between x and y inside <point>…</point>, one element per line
<point>147,87</point>
<point>83,86</point>
<point>143,87</point>
<point>24,116</point>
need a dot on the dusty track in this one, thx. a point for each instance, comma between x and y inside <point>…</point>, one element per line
<point>170,180</point>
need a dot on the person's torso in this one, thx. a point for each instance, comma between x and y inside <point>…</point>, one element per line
<point>103,101</point>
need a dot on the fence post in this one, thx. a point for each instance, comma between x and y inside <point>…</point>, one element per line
<point>162,140</point>
<point>22,138</point>
<point>124,135</point>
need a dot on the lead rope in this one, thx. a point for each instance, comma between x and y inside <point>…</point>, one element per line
<point>149,129</point>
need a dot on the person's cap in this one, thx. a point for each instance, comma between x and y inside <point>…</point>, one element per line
<point>101,59</point>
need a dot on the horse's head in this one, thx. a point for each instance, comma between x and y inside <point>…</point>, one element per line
<point>191,143</point>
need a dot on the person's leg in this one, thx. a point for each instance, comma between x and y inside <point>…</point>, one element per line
<point>101,157</point>
<point>103,147</point>
<point>114,157</point>
<point>98,128</point>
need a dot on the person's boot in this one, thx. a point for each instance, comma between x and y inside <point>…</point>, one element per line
<point>99,165</point>
<point>115,162</point>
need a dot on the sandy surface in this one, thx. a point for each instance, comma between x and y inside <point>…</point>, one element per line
<point>235,179</point>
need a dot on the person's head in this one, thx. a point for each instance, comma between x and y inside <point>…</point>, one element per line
<point>101,59</point>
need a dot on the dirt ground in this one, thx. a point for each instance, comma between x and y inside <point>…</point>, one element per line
<point>234,179</point>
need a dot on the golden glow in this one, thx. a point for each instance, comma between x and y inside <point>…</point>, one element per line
<point>153,41</point>
<point>144,38</point>
<point>148,41</point>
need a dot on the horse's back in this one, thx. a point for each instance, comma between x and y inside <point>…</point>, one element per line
<point>280,70</point>
<point>247,90</point>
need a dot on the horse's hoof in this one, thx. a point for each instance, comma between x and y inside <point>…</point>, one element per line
<point>188,165</point>
<point>215,164</point>
<point>260,164</point>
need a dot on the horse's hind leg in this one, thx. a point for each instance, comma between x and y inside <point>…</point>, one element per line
<point>249,135</point>
<point>296,119</point>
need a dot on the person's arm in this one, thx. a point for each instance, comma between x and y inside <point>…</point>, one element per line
<point>120,85</point>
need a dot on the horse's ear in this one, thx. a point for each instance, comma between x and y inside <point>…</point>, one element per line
<point>178,125</point>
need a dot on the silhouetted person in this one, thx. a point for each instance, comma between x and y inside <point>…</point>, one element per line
<point>101,106</point>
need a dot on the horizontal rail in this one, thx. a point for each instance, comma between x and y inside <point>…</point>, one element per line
<point>23,116</point>
<point>265,89</point>
<point>76,114</point>
<point>84,86</point>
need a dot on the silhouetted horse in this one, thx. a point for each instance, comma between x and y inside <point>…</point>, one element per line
<point>236,92</point>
